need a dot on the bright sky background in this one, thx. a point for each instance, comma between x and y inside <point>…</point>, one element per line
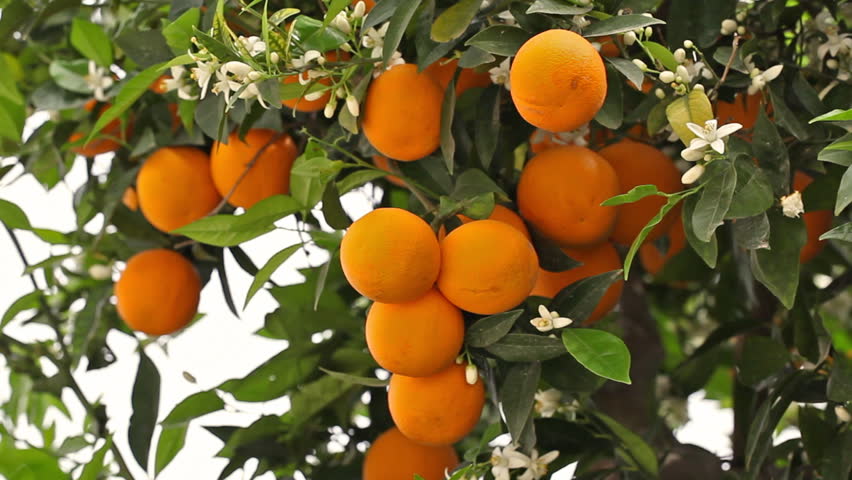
<point>212,350</point>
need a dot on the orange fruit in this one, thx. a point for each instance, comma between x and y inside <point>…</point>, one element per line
<point>442,72</point>
<point>176,121</point>
<point>130,199</point>
<point>302,105</point>
<point>159,85</point>
<point>174,187</point>
<point>501,214</point>
<point>440,409</point>
<point>416,338</point>
<point>367,3</point>
<point>487,267</point>
<point>384,164</point>
<point>817,222</point>
<point>742,110</point>
<point>609,46</point>
<point>560,193</point>
<point>394,457</point>
<point>268,176</point>
<point>653,260</point>
<point>390,255</point>
<point>558,81</point>
<point>105,141</point>
<point>402,113</point>
<point>637,164</point>
<point>158,292</point>
<point>595,260</point>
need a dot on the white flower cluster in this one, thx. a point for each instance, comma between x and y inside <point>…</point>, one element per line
<point>509,458</point>
<point>837,45</point>
<point>232,77</point>
<point>99,79</point>
<point>549,320</point>
<point>375,40</point>
<point>707,136</point>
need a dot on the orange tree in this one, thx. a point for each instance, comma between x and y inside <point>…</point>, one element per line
<point>526,153</point>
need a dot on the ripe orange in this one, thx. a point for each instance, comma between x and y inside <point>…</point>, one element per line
<point>440,409</point>
<point>394,457</point>
<point>367,3</point>
<point>302,105</point>
<point>105,140</point>
<point>560,193</point>
<point>130,199</point>
<point>558,81</point>
<point>270,174</point>
<point>402,113</point>
<point>158,292</point>
<point>501,214</point>
<point>609,46</point>
<point>743,110</point>
<point>159,85</point>
<point>174,187</point>
<point>652,259</point>
<point>416,338</point>
<point>595,260</point>
<point>442,72</point>
<point>383,163</point>
<point>817,222</point>
<point>637,164</point>
<point>487,267</point>
<point>390,255</point>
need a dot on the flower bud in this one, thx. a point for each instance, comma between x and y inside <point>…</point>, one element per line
<point>353,106</point>
<point>683,73</point>
<point>680,55</point>
<point>648,32</point>
<point>328,111</point>
<point>254,75</point>
<point>100,272</point>
<point>274,57</point>
<point>698,87</point>
<point>741,30</point>
<point>660,93</point>
<point>842,414</point>
<point>471,374</point>
<point>688,44</point>
<point>639,63</point>
<point>831,64</point>
<point>667,76</point>
<point>692,175</point>
<point>729,26</point>
<point>741,16</point>
<point>359,10</point>
<point>629,38</point>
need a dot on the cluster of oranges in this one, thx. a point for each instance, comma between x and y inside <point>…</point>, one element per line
<point>177,186</point>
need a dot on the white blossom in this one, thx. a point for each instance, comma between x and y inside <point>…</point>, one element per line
<point>729,26</point>
<point>684,74</point>
<point>505,459</point>
<point>842,414</point>
<point>693,174</point>
<point>549,320</point>
<point>708,135</point>
<point>359,10</point>
<point>576,137</point>
<point>580,21</point>
<point>547,402</point>
<point>375,39</point>
<point>759,78</point>
<point>100,271</point>
<point>180,81</point>
<point>680,55</point>
<point>341,22</point>
<point>500,74</point>
<point>629,38</point>
<point>836,44</point>
<point>537,466</point>
<point>667,76</point>
<point>204,72</point>
<point>471,374</point>
<point>792,204</point>
<point>252,45</point>
<point>98,79</point>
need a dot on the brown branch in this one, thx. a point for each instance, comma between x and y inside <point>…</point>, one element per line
<point>734,46</point>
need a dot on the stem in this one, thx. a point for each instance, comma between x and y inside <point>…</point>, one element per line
<point>64,364</point>
<point>734,46</point>
<point>243,175</point>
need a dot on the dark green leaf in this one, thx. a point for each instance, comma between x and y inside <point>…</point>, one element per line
<point>603,353</point>
<point>473,182</point>
<point>91,40</point>
<point>635,450</point>
<point>358,178</point>
<point>753,193</point>
<point>474,57</point>
<point>454,21</point>
<point>517,395</point>
<point>356,380</point>
<point>837,462</point>
<point>761,358</point>
<point>714,199</point>
<point>782,113</point>
<point>611,113</point>
<point>816,433</point>
<point>169,445</point>
<point>487,124</point>
<point>448,142</point>
<point>499,40</point>
<point>844,193</point>
<point>752,233</point>
<point>398,23</point>
<point>708,251</point>
<point>778,267</point>
<point>26,302</point>
<point>522,347</point>
<point>809,334</point>
<point>179,32</point>
<point>381,12</point>
<point>556,7</point>
<point>313,35</point>
<point>95,466</point>
<point>629,69</point>
<point>275,377</point>
<point>619,24</point>
<point>550,256</point>
<point>332,210</point>
<point>489,330</point>
<point>127,96</point>
<point>771,154</point>
<point>842,233</point>
<point>634,195</point>
<point>578,300</point>
<point>698,21</point>
<point>146,405</point>
<point>840,380</point>
<point>266,271</point>
<point>229,230</point>
<point>192,407</point>
<point>672,201</point>
<point>833,153</point>
<point>146,47</point>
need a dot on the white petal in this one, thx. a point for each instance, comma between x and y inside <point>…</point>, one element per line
<point>692,155</point>
<point>542,324</point>
<point>727,129</point>
<point>698,143</point>
<point>718,145</point>
<point>562,322</point>
<point>696,129</point>
<point>773,72</point>
<point>548,457</point>
<point>543,311</point>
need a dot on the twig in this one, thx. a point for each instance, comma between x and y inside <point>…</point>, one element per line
<point>243,175</point>
<point>64,364</point>
<point>734,46</point>
<point>427,204</point>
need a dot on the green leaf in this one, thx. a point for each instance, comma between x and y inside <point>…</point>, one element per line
<point>335,7</point>
<point>619,24</point>
<point>95,466</point>
<point>358,178</point>
<point>842,233</point>
<point>398,23</point>
<point>146,405</point>
<point>629,69</point>
<point>309,175</point>
<point>522,347</point>
<point>636,451</point>
<point>844,193</point>
<point>693,108</point>
<point>698,21</point>
<point>488,330</point>
<point>672,201</point>
<point>771,154</point>
<point>555,7</point>
<point>714,199</point>
<point>634,195</point>
<point>381,12</point>
<point>266,271</point>
<point>751,233</point>
<point>474,57</point>
<point>778,267</point>
<point>753,193</point>
<point>171,442</point>
<point>763,423</point>
<point>837,462</point>
<point>517,395</point>
<point>228,230</point>
<point>499,40</point>
<point>578,300</point>
<point>127,96</point>
<point>91,40</point>
<point>840,380</point>
<point>313,35</point>
<point>487,124</point>
<point>356,380</point>
<point>761,358</point>
<point>179,32</point>
<point>835,115</point>
<point>145,47</point>
<point>454,21</point>
<point>12,216</point>
<point>662,54</point>
<point>192,407</point>
<point>275,377</point>
<point>550,256</point>
<point>611,113</point>
<point>782,113</point>
<point>816,433</point>
<point>26,302</point>
<point>332,210</point>
<point>601,352</point>
<point>448,142</point>
<point>708,251</point>
<point>28,464</point>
